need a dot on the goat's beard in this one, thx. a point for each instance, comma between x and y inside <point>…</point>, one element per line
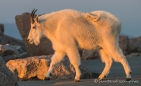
<point>36,42</point>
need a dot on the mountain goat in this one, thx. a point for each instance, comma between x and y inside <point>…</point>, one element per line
<point>69,30</point>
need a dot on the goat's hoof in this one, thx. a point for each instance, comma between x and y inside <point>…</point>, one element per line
<point>99,79</point>
<point>50,74</point>
<point>47,78</point>
<point>128,79</point>
<point>104,77</point>
<point>75,80</point>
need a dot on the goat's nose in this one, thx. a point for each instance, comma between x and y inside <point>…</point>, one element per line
<point>27,39</point>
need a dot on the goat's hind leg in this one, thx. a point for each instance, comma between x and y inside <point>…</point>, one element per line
<point>118,56</point>
<point>56,58</point>
<point>125,64</point>
<point>108,62</point>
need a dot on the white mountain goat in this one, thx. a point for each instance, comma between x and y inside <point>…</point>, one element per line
<point>69,30</point>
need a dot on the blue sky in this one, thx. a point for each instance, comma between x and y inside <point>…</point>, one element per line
<point>128,11</point>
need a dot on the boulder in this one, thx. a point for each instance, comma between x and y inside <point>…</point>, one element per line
<point>65,70</point>
<point>135,45</point>
<point>5,39</point>
<point>124,44</point>
<point>33,68</point>
<point>9,52</point>
<point>90,55</point>
<point>12,41</point>
<point>7,78</point>
<point>1,31</point>
<point>133,55</point>
<point>23,24</point>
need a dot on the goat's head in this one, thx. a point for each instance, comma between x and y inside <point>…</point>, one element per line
<point>35,32</point>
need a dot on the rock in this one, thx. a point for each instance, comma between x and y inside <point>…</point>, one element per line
<point>90,55</point>
<point>7,78</point>
<point>32,68</point>
<point>45,46</point>
<point>5,39</point>
<point>135,45</point>
<point>1,31</point>
<point>140,55</point>
<point>93,54</point>
<point>133,55</point>
<point>9,52</point>
<point>12,41</point>
<point>65,70</point>
<point>124,44</point>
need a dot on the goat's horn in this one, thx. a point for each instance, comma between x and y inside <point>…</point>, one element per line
<point>34,11</point>
<point>32,15</point>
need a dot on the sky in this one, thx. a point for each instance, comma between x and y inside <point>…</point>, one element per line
<point>128,11</point>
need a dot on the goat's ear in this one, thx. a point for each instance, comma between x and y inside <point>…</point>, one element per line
<point>92,17</point>
<point>36,19</point>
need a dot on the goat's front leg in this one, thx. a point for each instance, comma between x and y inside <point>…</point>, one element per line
<point>56,58</point>
<point>74,58</point>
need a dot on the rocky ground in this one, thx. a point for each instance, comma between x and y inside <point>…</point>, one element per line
<point>23,61</point>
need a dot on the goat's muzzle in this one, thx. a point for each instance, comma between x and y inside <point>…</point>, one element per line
<point>28,40</point>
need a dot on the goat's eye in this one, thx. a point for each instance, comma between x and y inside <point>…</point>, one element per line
<point>34,27</point>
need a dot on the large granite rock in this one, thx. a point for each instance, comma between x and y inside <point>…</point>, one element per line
<point>32,68</point>
<point>124,44</point>
<point>93,54</point>
<point>135,45</point>
<point>9,52</point>
<point>1,31</point>
<point>23,24</point>
<point>7,78</point>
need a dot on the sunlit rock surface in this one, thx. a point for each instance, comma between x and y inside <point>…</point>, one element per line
<point>33,68</point>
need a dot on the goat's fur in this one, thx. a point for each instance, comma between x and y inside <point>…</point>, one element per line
<point>69,30</point>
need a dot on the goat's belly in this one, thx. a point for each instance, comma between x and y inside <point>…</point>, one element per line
<point>88,45</point>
